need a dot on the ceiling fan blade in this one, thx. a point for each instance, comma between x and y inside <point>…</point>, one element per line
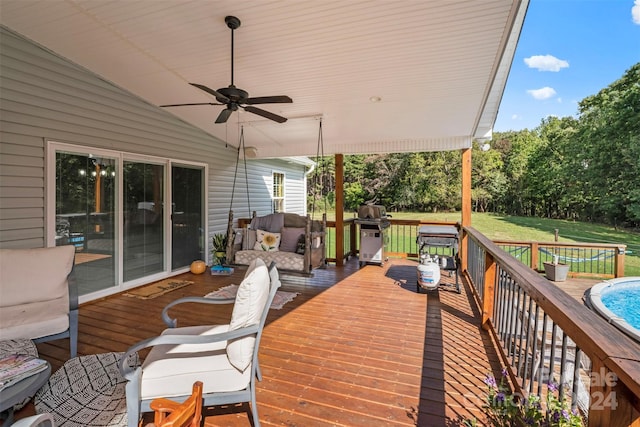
<point>220,97</point>
<point>224,115</point>
<point>265,114</point>
<point>195,103</point>
<point>282,99</point>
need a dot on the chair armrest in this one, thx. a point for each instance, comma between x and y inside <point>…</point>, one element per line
<point>163,405</point>
<point>128,371</point>
<point>172,323</point>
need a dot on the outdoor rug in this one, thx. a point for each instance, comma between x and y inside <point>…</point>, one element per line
<point>156,289</point>
<point>280,299</point>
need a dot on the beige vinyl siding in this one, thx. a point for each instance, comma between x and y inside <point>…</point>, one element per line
<point>44,97</point>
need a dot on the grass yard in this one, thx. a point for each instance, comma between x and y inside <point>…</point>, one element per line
<point>500,227</point>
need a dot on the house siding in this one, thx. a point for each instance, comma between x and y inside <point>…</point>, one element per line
<point>260,187</point>
<point>44,97</point>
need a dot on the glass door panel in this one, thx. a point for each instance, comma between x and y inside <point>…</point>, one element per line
<point>85,216</point>
<point>143,234</point>
<point>186,217</point>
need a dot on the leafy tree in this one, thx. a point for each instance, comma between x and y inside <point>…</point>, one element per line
<point>516,148</point>
<point>547,176</point>
<point>610,135</point>
<point>488,182</point>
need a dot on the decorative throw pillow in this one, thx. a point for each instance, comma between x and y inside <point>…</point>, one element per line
<point>266,241</point>
<point>301,245</point>
<point>289,238</point>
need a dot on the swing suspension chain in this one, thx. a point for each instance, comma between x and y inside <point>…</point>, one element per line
<point>235,174</point>
<point>246,177</point>
<point>319,154</point>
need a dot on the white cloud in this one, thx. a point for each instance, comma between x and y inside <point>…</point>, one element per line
<point>515,117</point>
<point>542,93</point>
<point>635,12</point>
<point>559,100</point>
<point>546,62</point>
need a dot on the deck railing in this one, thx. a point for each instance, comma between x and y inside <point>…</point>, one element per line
<point>593,259</point>
<point>584,259</point>
<point>545,335</point>
<point>400,238</point>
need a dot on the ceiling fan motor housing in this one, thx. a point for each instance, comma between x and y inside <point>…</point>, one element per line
<point>234,94</point>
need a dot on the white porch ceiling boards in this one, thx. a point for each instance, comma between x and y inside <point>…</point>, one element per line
<point>439,66</point>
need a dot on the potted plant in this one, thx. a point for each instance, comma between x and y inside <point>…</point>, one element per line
<point>219,248</point>
<point>556,271</point>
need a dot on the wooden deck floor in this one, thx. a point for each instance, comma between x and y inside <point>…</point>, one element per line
<point>577,286</point>
<point>357,347</point>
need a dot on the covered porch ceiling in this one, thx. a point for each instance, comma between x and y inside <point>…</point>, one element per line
<point>384,76</point>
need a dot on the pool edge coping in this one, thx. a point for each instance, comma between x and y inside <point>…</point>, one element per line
<point>596,304</point>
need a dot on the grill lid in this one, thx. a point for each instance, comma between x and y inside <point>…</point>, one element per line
<point>372,212</point>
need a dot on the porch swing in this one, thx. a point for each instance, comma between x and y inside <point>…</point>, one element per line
<point>296,243</point>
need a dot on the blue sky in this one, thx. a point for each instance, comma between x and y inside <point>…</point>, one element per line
<point>568,50</point>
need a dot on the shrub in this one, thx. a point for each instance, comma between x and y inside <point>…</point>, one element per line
<point>505,409</point>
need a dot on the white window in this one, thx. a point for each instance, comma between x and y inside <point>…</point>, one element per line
<point>278,192</point>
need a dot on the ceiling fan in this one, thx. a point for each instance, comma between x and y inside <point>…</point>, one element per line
<point>234,97</point>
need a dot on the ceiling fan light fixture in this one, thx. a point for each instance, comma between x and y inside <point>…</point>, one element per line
<point>251,152</point>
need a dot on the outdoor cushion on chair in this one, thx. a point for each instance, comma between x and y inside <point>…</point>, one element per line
<point>223,357</point>
<point>86,391</point>
<point>38,296</point>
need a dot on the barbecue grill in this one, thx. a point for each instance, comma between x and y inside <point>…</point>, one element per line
<point>373,221</point>
<point>440,236</point>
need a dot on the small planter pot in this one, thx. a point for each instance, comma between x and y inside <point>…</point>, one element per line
<point>556,272</point>
<point>221,257</point>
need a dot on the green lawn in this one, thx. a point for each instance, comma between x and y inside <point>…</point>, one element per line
<point>499,227</point>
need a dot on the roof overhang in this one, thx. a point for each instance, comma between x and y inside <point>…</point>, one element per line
<point>383,76</point>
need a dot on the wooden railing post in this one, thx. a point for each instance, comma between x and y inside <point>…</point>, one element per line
<point>612,404</point>
<point>534,255</point>
<point>488,295</point>
<point>466,205</point>
<point>619,261</point>
<point>339,167</point>
<point>353,230</point>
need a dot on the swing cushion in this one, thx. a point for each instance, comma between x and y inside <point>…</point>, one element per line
<point>289,238</point>
<point>284,260</point>
<point>265,241</point>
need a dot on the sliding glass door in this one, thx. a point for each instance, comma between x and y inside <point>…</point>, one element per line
<point>85,216</point>
<point>132,219</point>
<point>143,252</point>
<point>187,238</point>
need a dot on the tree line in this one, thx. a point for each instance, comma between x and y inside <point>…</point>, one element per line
<point>584,168</point>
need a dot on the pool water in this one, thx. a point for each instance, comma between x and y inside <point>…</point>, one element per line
<point>624,303</point>
<point>618,301</point>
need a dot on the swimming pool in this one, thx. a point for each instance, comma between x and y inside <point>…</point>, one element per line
<point>618,301</point>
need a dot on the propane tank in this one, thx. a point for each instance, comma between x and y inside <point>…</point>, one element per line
<point>428,273</point>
